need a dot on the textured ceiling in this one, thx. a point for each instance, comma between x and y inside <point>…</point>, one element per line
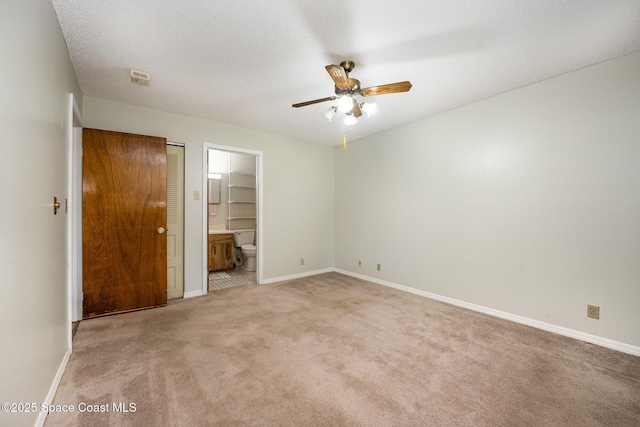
<point>245,62</point>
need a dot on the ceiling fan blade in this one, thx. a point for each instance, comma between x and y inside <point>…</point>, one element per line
<point>315,101</point>
<point>386,89</point>
<point>356,109</point>
<point>339,76</point>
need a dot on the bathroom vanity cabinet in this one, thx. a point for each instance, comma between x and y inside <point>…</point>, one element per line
<point>220,251</point>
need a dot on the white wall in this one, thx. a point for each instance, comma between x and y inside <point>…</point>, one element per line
<point>36,76</point>
<point>528,202</point>
<point>298,186</point>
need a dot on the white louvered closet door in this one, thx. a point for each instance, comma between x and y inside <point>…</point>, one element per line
<point>175,221</point>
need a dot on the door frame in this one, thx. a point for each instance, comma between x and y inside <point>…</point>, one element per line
<point>74,127</point>
<point>259,203</point>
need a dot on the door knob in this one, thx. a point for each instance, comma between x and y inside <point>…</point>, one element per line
<point>160,230</point>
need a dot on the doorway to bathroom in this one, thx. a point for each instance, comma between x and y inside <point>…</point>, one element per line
<point>232,217</point>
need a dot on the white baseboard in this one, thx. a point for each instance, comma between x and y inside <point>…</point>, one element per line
<point>593,339</point>
<point>192,294</point>
<point>42,416</point>
<point>297,276</point>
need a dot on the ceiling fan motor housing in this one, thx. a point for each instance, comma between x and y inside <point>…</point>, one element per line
<point>354,88</point>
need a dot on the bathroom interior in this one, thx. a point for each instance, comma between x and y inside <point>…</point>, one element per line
<point>232,219</point>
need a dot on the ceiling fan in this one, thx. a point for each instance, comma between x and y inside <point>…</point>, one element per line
<point>346,88</point>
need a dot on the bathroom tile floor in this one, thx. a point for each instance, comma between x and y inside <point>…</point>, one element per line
<point>237,277</point>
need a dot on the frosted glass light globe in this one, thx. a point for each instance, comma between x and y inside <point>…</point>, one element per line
<point>350,120</point>
<point>369,108</point>
<point>345,104</point>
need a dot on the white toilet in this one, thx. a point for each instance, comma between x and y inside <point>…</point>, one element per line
<point>243,239</point>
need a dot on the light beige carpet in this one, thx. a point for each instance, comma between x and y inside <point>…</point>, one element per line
<point>331,350</point>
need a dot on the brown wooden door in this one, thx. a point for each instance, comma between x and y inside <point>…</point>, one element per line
<point>124,247</point>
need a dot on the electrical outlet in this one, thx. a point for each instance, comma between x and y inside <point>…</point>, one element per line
<point>378,266</point>
<point>196,195</point>
<point>593,311</point>
<point>301,261</point>
<point>359,263</point>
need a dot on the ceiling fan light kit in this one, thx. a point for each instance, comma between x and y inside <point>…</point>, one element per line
<point>346,89</point>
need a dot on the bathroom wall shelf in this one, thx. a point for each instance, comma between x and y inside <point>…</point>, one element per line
<point>242,199</point>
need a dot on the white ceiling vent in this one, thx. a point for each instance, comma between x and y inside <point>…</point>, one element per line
<point>140,77</point>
